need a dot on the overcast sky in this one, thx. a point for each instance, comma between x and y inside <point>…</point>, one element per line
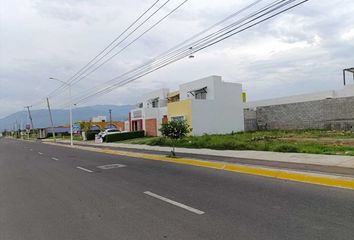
<point>300,51</point>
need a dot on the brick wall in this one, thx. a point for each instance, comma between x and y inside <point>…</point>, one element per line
<point>335,113</point>
<point>151,127</point>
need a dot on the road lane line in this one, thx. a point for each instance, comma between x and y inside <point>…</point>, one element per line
<point>284,174</point>
<point>84,169</point>
<point>56,159</point>
<point>193,210</point>
<point>111,166</point>
<point>31,149</point>
<point>40,153</point>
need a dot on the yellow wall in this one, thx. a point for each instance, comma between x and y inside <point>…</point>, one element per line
<point>181,108</point>
<point>244,97</point>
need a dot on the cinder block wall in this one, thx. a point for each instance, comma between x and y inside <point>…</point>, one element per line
<point>250,117</point>
<point>335,113</point>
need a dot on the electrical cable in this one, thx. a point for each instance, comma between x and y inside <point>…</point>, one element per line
<point>199,48</point>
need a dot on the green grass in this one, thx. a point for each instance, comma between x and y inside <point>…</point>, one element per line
<point>144,140</point>
<point>301,141</point>
<point>76,138</point>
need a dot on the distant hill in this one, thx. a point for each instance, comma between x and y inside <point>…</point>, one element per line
<point>60,117</point>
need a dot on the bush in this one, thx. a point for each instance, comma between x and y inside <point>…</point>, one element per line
<point>124,136</point>
<point>90,135</point>
<point>286,148</point>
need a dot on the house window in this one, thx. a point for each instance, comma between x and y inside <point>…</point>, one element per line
<point>178,118</point>
<point>155,103</point>
<point>173,98</point>
<point>200,95</point>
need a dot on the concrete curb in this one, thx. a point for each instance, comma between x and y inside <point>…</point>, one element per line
<point>305,158</point>
<point>305,177</point>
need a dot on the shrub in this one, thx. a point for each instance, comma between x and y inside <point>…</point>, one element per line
<point>286,148</point>
<point>90,135</point>
<point>124,136</point>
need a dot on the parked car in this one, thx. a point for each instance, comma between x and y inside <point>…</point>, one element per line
<point>108,132</point>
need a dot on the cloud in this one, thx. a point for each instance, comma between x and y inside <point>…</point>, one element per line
<point>300,51</point>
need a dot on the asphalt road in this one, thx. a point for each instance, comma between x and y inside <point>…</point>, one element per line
<point>52,192</point>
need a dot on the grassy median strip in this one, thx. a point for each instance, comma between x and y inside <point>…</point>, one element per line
<point>318,179</point>
<point>299,141</point>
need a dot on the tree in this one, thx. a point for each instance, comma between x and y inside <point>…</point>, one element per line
<point>175,130</point>
<point>85,127</point>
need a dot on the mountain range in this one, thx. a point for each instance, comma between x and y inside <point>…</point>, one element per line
<point>60,117</point>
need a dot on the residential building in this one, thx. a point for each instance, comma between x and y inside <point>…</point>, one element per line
<point>99,119</point>
<point>149,113</point>
<point>106,125</point>
<point>209,105</point>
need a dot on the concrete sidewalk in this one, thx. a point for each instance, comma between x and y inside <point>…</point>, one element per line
<point>297,158</point>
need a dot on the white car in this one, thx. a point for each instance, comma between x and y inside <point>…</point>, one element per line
<point>108,132</point>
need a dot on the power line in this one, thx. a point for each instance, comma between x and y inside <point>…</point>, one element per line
<point>209,43</point>
<point>63,86</point>
<point>186,48</point>
<point>115,46</point>
<point>116,39</point>
<point>87,66</point>
<point>137,38</point>
<point>162,56</point>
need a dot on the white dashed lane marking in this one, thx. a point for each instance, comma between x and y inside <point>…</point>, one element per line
<point>84,169</point>
<point>193,210</point>
<point>110,166</point>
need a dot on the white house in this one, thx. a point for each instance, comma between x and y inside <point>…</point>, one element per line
<point>209,105</point>
<point>99,119</point>
<point>150,112</point>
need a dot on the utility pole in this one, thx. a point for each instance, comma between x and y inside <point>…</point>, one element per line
<point>110,117</point>
<point>17,129</point>
<point>51,119</point>
<point>30,116</point>
<point>70,108</point>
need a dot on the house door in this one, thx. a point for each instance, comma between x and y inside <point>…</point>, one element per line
<point>137,125</point>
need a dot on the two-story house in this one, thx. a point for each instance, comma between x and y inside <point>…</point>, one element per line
<point>150,112</point>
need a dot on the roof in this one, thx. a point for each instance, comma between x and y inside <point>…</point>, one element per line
<point>172,94</point>
<point>58,129</point>
<point>349,69</point>
<point>203,89</point>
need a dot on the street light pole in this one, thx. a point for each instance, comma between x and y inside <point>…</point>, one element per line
<point>70,109</point>
<point>110,117</point>
<point>71,117</point>
<point>51,120</point>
